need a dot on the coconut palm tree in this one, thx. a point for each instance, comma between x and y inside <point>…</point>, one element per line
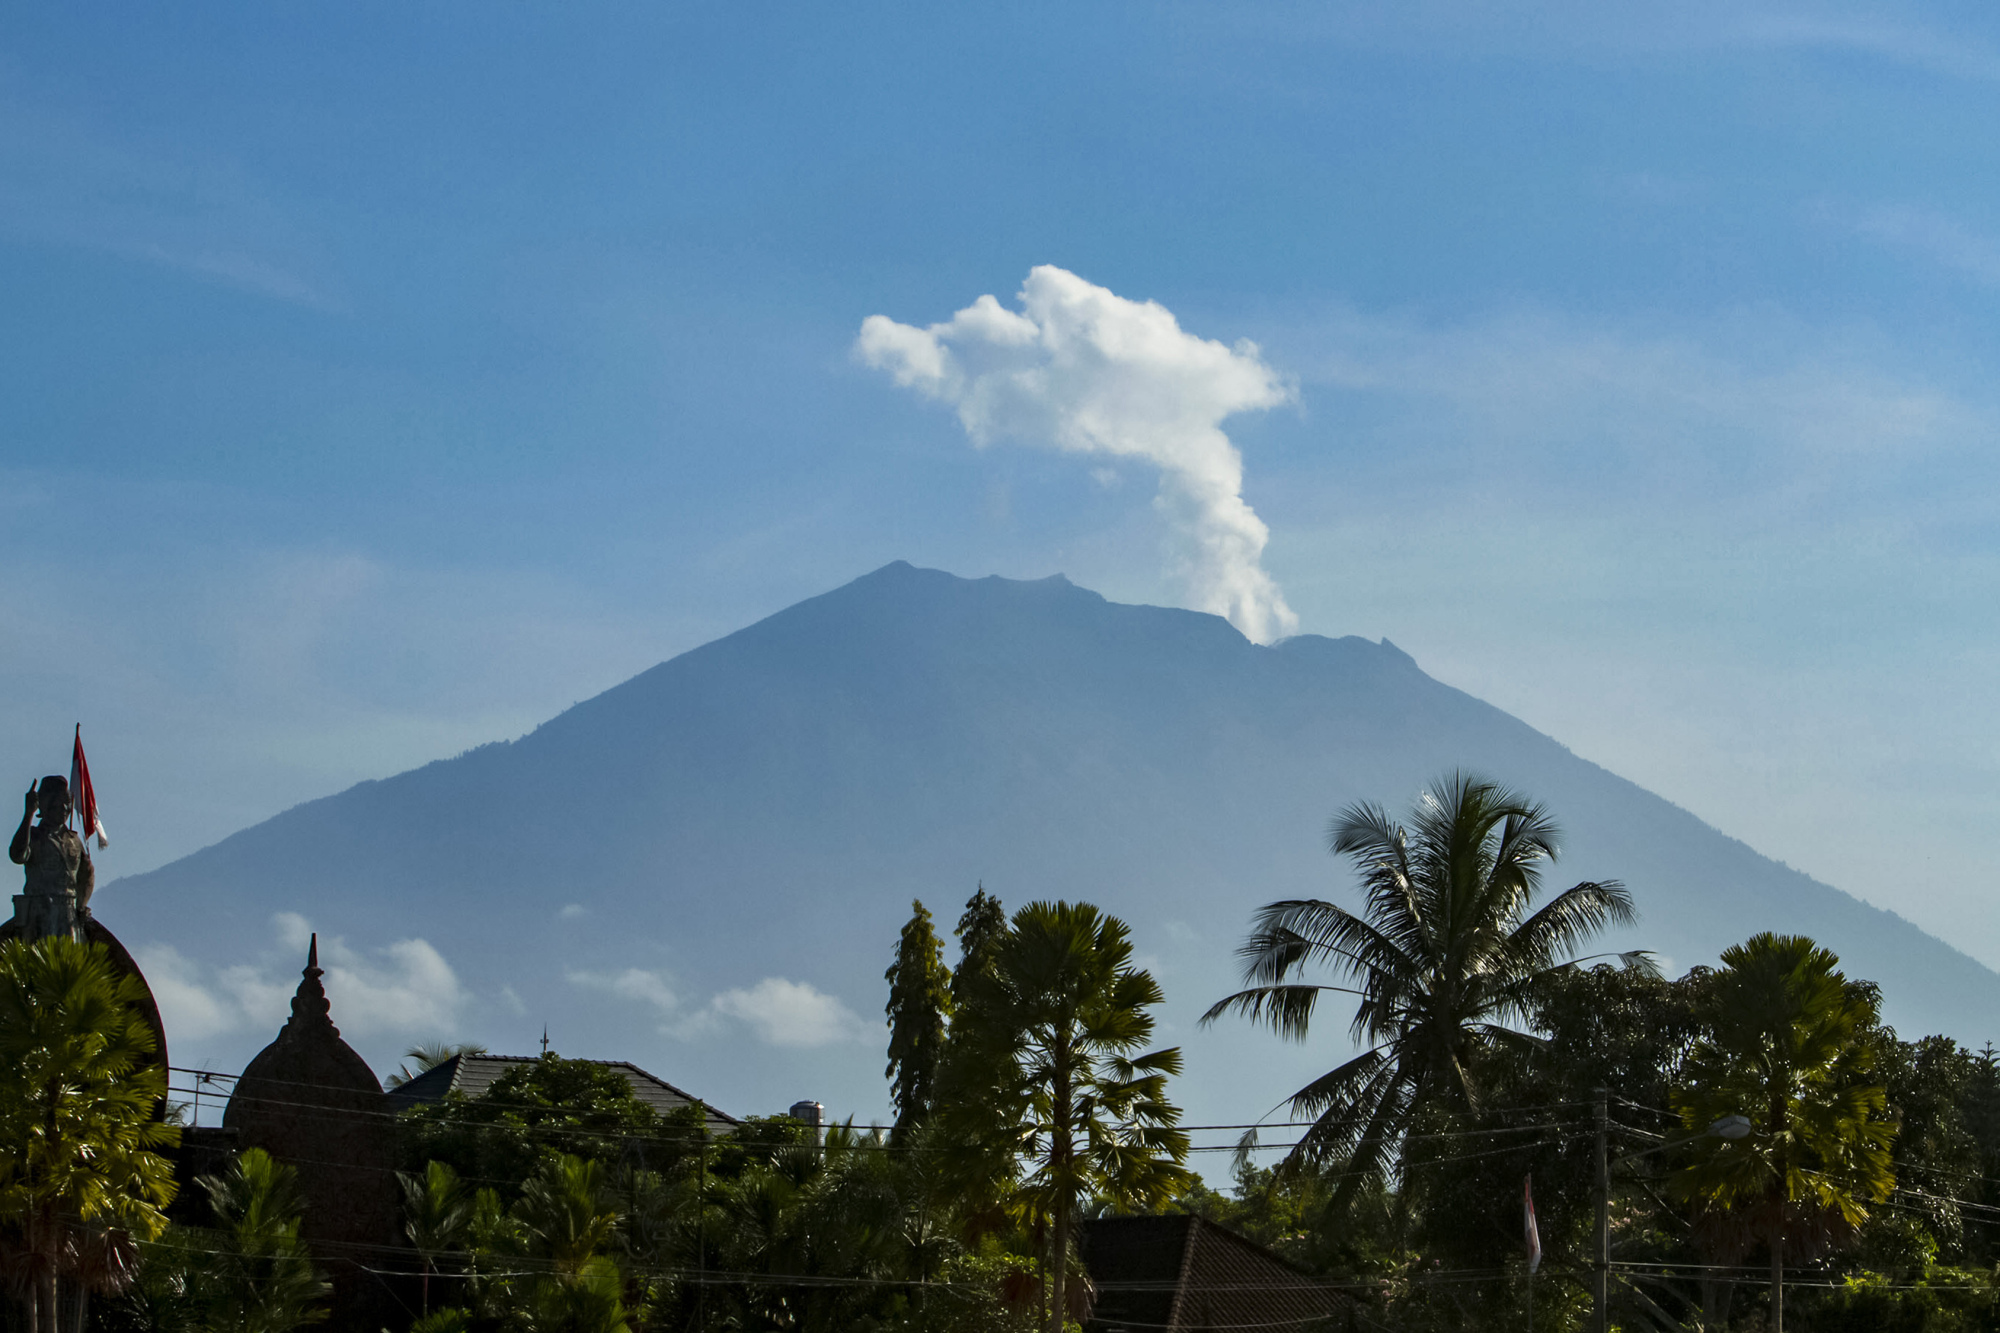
<point>428,1056</point>
<point>1791,1050</point>
<point>1046,1070</point>
<point>82,1175</point>
<point>1441,955</point>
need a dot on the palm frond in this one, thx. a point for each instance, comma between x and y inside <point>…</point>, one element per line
<point>1288,1009</point>
<point>1560,927</point>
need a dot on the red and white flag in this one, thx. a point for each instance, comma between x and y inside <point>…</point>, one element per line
<point>1530,1232</point>
<point>82,796</point>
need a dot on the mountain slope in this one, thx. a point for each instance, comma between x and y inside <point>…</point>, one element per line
<point>766,806</point>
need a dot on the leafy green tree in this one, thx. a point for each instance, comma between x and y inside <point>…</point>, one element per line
<point>548,1105</point>
<point>1443,953</point>
<point>1789,1048</point>
<point>1935,1155</point>
<point>1979,1113</point>
<point>1047,1073</point>
<point>81,1170</point>
<point>1623,1029</point>
<point>919,1003</point>
<point>259,1277</point>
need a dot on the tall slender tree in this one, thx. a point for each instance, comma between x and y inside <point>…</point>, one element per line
<point>919,1004</point>
<point>81,1141</point>
<point>1047,1070</point>
<point>979,929</point>
<point>1790,1050</point>
<point>1442,956</point>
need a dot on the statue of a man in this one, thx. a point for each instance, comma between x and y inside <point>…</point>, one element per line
<point>59,874</point>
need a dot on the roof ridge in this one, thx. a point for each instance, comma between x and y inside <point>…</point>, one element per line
<point>1188,1239</point>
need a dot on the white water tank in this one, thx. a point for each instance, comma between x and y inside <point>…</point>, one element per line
<point>814,1116</point>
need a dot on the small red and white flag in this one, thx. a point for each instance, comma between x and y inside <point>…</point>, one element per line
<point>1530,1232</point>
<point>82,796</point>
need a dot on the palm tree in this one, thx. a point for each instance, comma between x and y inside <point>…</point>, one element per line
<point>262,1278</point>
<point>1790,1048</point>
<point>439,1211</point>
<point>567,1213</point>
<point>567,1218</point>
<point>1442,955</point>
<point>1045,1072</point>
<point>428,1056</point>
<point>81,1170</point>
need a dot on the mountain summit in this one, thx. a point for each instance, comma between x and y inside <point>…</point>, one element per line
<point>703,869</point>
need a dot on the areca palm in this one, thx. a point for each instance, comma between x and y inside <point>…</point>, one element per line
<point>438,1211</point>
<point>261,1278</point>
<point>1441,955</point>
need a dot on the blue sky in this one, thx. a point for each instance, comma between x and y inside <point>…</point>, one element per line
<point>380,382</point>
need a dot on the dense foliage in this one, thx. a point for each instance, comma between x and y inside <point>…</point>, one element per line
<point>1762,1133</point>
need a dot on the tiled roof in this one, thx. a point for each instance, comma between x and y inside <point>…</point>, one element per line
<point>1182,1274</point>
<point>472,1075</point>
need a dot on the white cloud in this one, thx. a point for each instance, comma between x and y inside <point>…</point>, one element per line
<point>406,986</point>
<point>777,1011</point>
<point>1939,237</point>
<point>1527,386</point>
<point>402,988</point>
<point>64,180</point>
<point>571,911</point>
<point>633,984</point>
<point>790,1013</point>
<point>188,1009</point>
<point>1090,372</point>
<point>1954,54</point>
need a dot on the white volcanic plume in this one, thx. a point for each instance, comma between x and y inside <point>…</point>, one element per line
<point>1087,371</point>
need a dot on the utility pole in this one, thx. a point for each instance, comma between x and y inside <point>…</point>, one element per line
<point>1600,1268</point>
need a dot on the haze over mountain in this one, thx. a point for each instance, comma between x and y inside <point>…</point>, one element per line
<point>703,869</point>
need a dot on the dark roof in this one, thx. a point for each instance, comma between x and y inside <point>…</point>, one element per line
<point>472,1075</point>
<point>1184,1274</point>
